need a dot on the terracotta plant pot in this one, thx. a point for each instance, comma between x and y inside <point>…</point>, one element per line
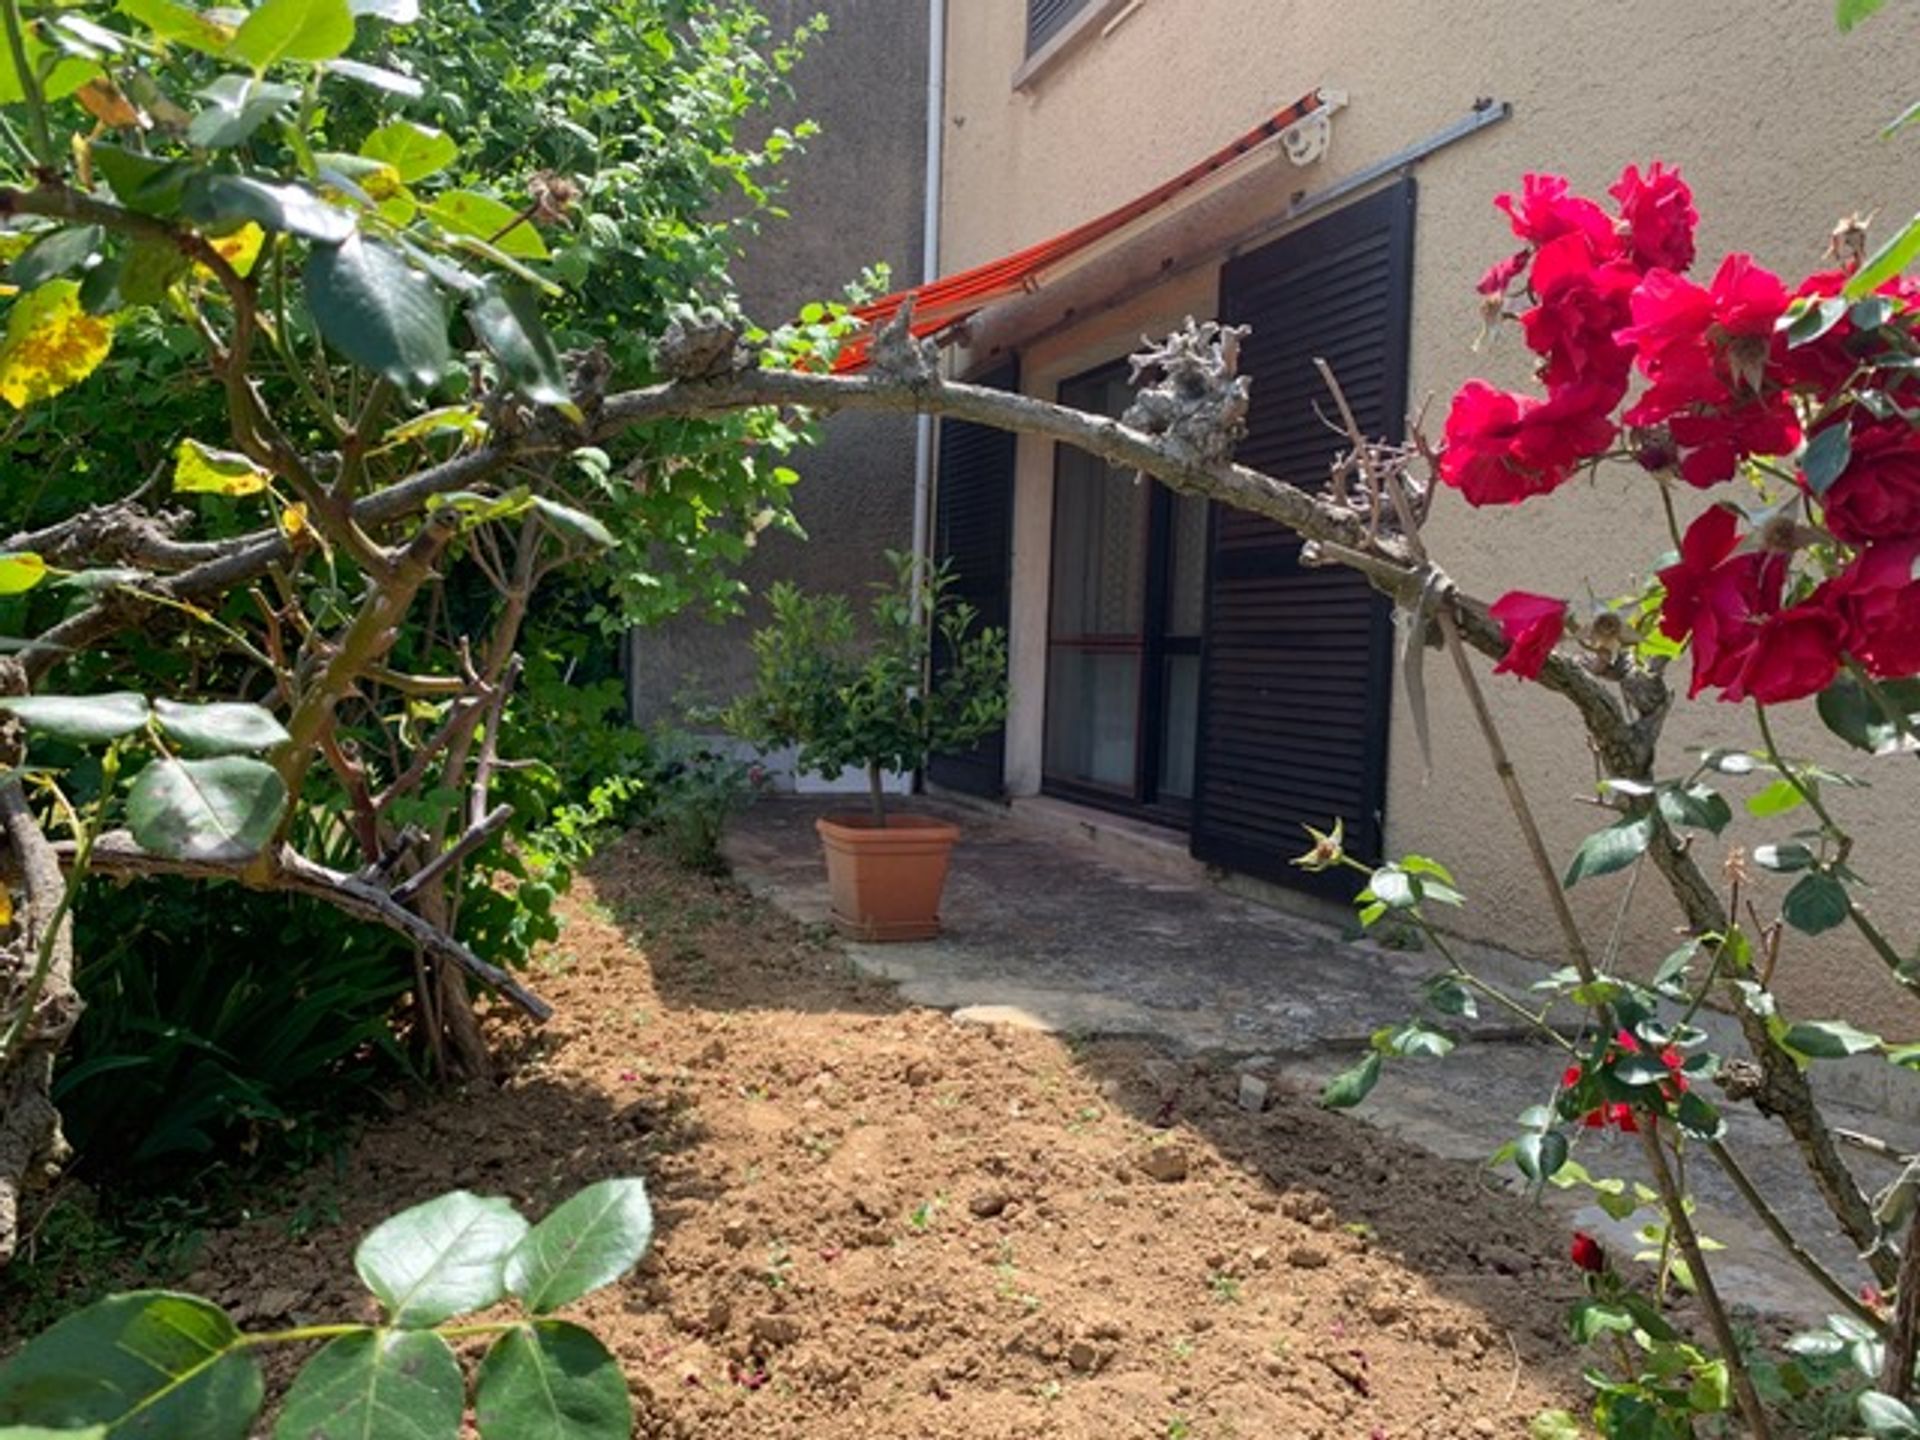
<point>886,881</point>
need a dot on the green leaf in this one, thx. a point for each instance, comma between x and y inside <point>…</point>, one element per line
<point>1696,807</point>
<point>589,1241</point>
<point>551,1381</point>
<point>414,151</point>
<point>1414,1040</point>
<point>82,719</point>
<point>140,182</point>
<point>180,24</point>
<point>1849,13</point>
<point>1886,1418</point>
<point>467,212</point>
<point>576,523</point>
<point>378,311</point>
<point>508,323</point>
<point>1776,799</point>
<point>1590,1317</point>
<point>293,30</point>
<point>55,254</point>
<point>1816,903</point>
<point>223,809</point>
<point>223,199</point>
<point>1826,456</point>
<point>1608,850</point>
<point>1699,1118</point>
<point>149,1364</point>
<point>238,105</point>
<point>222,727</point>
<point>1540,1154</point>
<point>1350,1087</point>
<point>1860,718</point>
<point>394,12</point>
<point>202,470</point>
<point>440,1259</point>
<point>1448,996</point>
<point>40,1432</point>
<point>383,1385</point>
<point>378,77</point>
<point>1888,261</point>
<point>1784,858</point>
<point>1554,1425</point>
<point>20,571</point>
<point>1828,1039</point>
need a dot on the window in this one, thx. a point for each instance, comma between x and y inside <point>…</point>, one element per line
<point>1047,18</point>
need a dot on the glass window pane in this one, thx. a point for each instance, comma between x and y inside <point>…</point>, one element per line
<point>1179,726</point>
<point>1187,566</point>
<point>1092,714</point>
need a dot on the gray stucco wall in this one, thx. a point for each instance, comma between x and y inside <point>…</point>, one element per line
<point>854,198</point>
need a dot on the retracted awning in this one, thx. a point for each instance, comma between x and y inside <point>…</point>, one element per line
<point>945,302</point>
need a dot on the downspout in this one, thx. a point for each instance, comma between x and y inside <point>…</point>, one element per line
<point>929,269</point>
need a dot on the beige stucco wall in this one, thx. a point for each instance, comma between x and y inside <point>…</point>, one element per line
<point>1771,114</point>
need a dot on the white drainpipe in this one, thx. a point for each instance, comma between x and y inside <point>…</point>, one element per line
<point>929,269</point>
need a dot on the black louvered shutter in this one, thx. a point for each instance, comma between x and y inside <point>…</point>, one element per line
<point>973,532</point>
<point>1297,668</point>
<point>1045,18</point>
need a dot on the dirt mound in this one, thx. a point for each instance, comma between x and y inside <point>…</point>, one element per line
<point>876,1221</point>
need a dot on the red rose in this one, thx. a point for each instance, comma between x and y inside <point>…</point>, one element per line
<point>1659,216</point>
<point>1503,273</point>
<point>1502,448</point>
<point>1876,603</point>
<point>1545,209</point>
<point>1877,496</point>
<point>1582,305</point>
<point>1793,655</point>
<point>1588,1253</point>
<point>1532,625</point>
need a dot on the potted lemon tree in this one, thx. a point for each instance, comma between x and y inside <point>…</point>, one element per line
<point>924,677</point>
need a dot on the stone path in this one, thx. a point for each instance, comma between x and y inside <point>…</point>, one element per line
<point>1049,932</point>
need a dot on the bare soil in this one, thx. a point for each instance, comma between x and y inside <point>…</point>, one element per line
<point>875,1221</point>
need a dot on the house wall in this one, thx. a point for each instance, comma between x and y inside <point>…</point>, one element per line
<point>854,198</point>
<point>1772,115</point>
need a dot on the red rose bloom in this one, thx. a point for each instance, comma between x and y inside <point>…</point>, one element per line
<point>1718,597</point>
<point>1502,448</point>
<point>1503,273</point>
<point>1658,213</point>
<point>1582,305</point>
<point>1545,209</point>
<point>1876,603</point>
<point>1533,625</point>
<point>1793,654</point>
<point>1588,1253</point>
<point>1877,496</point>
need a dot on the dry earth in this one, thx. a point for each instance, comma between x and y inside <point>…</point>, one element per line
<point>876,1222</point>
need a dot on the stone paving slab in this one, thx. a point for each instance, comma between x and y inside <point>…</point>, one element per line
<point>1045,931</point>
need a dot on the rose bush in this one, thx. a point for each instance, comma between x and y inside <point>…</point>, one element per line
<point>1792,409</point>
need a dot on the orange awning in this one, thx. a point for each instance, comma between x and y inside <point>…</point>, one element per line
<point>947,301</point>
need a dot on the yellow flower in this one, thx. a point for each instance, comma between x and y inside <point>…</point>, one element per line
<point>51,344</point>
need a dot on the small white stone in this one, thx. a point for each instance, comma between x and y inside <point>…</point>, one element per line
<point>1253,1093</point>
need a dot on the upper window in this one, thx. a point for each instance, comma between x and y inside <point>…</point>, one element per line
<point>1046,18</point>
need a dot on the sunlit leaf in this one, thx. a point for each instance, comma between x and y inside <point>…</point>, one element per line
<point>57,253</point>
<point>180,24</point>
<point>201,470</point>
<point>293,30</point>
<point>51,344</point>
<point>20,571</point>
<point>238,105</point>
<point>221,727</point>
<point>394,12</point>
<point>378,77</point>
<point>439,1259</point>
<point>416,151</point>
<point>293,208</point>
<point>466,212</point>
<point>588,1241</point>
<point>508,323</point>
